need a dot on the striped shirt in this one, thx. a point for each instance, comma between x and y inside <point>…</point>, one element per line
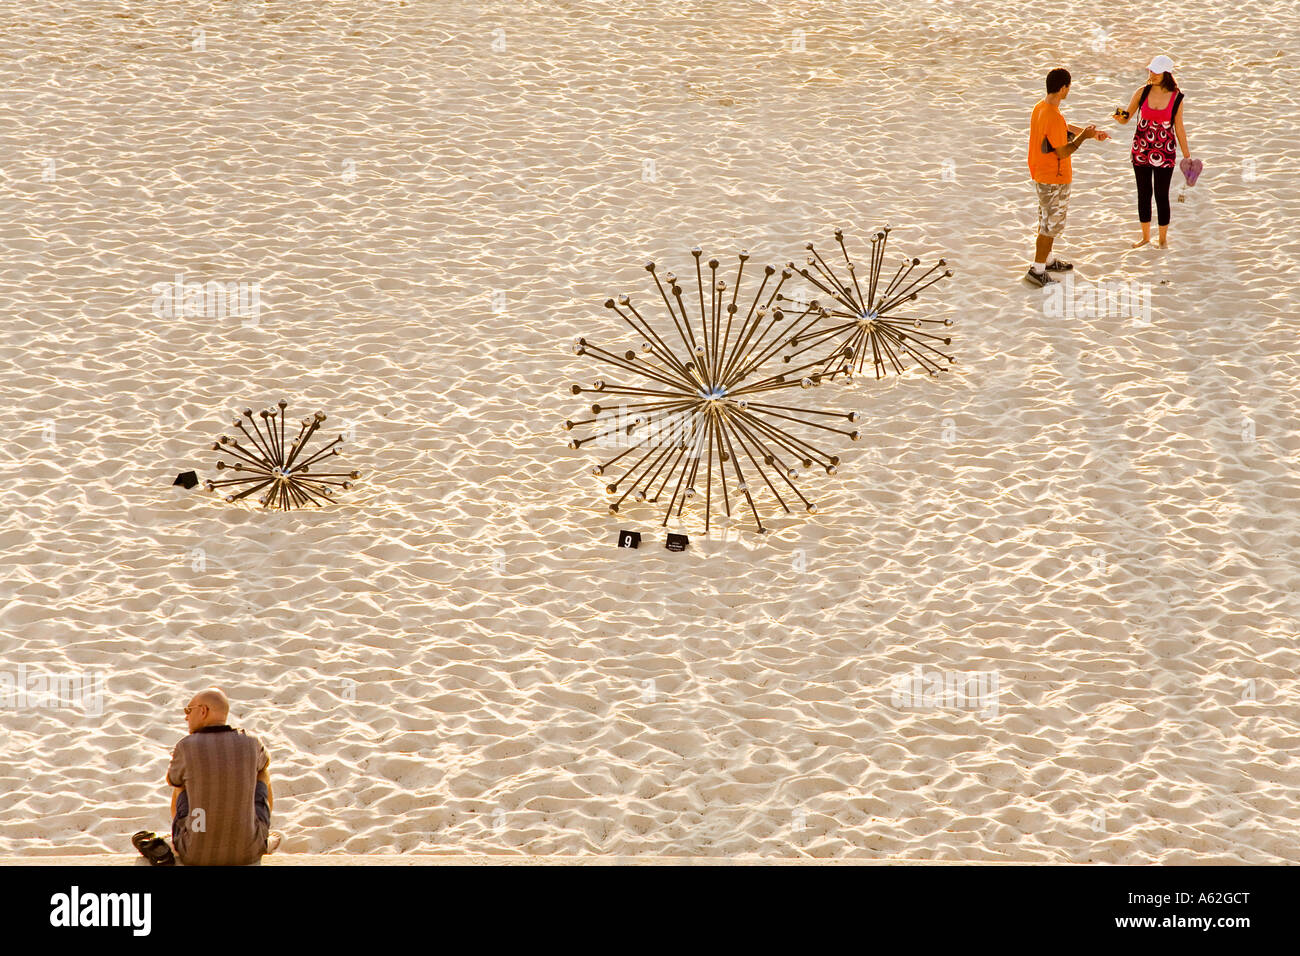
<point>217,767</point>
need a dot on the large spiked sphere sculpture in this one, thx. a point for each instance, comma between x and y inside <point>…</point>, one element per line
<point>279,469</point>
<point>863,322</point>
<point>700,417</point>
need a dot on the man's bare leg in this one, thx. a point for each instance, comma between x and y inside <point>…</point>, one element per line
<point>1042,248</point>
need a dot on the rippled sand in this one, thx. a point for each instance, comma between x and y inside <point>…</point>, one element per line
<point>434,199</point>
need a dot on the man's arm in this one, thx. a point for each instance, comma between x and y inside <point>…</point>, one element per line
<point>1074,142</point>
<point>175,776</point>
<point>264,777</point>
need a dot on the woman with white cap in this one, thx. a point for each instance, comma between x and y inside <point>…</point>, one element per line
<point>1160,122</point>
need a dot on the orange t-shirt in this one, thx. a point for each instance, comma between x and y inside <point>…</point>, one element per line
<point>1048,124</point>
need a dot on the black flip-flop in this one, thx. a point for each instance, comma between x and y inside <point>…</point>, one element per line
<point>153,848</point>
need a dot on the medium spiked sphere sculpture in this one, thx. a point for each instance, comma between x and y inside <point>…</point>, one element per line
<point>699,419</point>
<point>281,470</point>
<point>863,321</point>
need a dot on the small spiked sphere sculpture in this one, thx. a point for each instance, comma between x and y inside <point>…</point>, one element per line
<point>862,321</point>
<point>281,471</point>
<point>702,421</point>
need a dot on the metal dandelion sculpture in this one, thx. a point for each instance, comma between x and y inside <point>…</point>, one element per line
<point>700,417</point>
<point>863,318</point>
<point>279,469</point>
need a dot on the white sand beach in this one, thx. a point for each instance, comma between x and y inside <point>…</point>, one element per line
<point>431,201</point>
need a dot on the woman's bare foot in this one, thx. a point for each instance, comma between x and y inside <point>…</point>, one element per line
<point>1140,243</point>
<point>1162,244</point>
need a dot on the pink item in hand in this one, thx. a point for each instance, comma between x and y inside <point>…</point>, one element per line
<point>1191,170</point>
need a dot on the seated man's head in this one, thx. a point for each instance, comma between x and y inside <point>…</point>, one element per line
<point>208,708</point>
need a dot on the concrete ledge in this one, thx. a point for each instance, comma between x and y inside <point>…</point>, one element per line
<point>433,859</point>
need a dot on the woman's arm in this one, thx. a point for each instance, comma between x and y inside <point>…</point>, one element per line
<point>1132,108</point>
<point>1182,134</point>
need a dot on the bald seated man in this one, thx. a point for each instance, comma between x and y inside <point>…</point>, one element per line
<point>221,801</point>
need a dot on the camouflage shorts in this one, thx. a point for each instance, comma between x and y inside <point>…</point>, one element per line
<point>1053,200</point>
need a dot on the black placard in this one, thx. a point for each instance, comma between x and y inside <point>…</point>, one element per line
<point>629,539</point>
<point>186,479</point>
<point>677,542</point>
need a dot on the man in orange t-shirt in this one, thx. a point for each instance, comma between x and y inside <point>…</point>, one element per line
<point>1051,142</point>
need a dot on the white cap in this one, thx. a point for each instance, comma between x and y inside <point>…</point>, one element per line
<point>1161,64</point>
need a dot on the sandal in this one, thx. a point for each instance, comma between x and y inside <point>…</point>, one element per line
<point>153,848</point>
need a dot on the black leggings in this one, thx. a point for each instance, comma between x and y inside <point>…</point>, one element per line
<point>1160,176</point>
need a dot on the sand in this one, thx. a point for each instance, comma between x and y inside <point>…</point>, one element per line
<point>433,200</point>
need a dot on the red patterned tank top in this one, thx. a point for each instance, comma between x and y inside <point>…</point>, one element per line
<point>1153,140</point>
